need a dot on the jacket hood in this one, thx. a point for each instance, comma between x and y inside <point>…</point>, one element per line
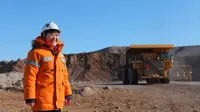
<point>40,43</point>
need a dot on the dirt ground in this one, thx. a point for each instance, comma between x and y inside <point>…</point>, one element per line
<point>146,98</point>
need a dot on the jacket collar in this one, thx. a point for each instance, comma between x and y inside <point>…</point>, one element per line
<point>40,43</point>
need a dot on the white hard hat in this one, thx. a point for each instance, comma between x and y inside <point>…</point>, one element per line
<point>50,26</point>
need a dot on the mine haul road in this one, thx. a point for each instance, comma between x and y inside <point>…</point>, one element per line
<point>143,84</point>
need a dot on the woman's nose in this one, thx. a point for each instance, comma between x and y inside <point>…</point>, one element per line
<point>55,37</point>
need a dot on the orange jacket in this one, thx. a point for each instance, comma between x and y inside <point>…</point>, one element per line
<point>46,77</point>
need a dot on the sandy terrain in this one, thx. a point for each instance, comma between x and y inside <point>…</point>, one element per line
<point>141,98</point>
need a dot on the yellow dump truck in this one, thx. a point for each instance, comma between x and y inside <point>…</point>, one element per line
<point>147,62</point>
<point>183,72</point>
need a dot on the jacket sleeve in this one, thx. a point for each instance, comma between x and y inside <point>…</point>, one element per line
<point>68,91</point>
<point>30,71</point>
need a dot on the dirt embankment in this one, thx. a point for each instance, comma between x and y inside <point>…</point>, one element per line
<point>9,66</point>
<point>94,66</point>
<point>105,64</point>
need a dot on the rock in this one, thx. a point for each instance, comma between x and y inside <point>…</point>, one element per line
<point>14,89</point>
<point>10,79</point>
<point>2,86</point>
<point>9,66</point>
<point>155,107</point>
<point>76,90</point>
<point>195,111</point>
<point>107,88</point>
<point>87,91</point>
<point>19,84</point>
<point>117,107</point>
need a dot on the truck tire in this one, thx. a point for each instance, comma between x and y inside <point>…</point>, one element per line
<point>125,76</point>
<point>150,81</point>
<point>133,75</point>
<point>125,82</point>
<point>165,81</point>
<point>157,81</point>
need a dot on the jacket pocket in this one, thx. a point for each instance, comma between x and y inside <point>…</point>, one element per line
<point>46,78</point>
<point>45,91</point>
<point>64,83</point>
<point>44,83</point>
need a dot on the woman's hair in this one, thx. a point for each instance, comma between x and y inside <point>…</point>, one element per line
<point>44,34</point>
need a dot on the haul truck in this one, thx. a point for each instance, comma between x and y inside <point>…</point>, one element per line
<point>183,72</point>
<point>147,62</point>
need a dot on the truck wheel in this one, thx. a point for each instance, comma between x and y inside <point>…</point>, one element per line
<point>125,76</point>
<point>133,76</point>
<point>150,81</point>
<point>125,82</point>
<point>157,80</point>
<point>165,81</point>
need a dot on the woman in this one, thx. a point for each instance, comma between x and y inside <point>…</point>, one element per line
<point>46,85</point>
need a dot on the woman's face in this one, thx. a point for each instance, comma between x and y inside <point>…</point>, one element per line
<point>52,38</point>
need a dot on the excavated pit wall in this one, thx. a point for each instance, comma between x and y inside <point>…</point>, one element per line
<point>105,64</point>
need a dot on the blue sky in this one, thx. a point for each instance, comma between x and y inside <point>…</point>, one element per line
<point>89,25</point>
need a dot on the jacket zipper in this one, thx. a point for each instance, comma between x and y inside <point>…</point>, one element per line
<point>53,52</point>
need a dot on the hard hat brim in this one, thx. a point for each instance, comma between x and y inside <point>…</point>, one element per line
<point>52,29</point>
